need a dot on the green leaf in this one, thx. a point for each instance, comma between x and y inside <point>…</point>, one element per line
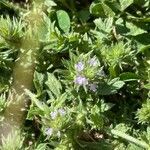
<point>125,3</point>
<point>13,141</point>
<point>147,86</point>
<point>44,29</point>
<point>117,85</point>
<point>63,20</point>
<point>61,100</point>
<point>134,30</point>
<point>97,9</point>
<point>11,29</point>
<point>106,106</point>
<point>133,147</point>
<point>39,104</point>
<point>84,15</point>
<point>101,10</point>
<point>143,39</point>
<point>38,81</point>
<point>129,138</point>
<point>110,87</point>
<point>53,85</point>
<point>41,146</point>
<point>129,76</point>
<point>50,3</point>
<point>104,26</point>
<point>108,11</point>
<point>101,145</point>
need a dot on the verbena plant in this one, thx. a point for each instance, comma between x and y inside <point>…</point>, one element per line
<point>75,74</point>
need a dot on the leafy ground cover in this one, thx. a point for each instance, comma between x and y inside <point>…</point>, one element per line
<point>75,75</point>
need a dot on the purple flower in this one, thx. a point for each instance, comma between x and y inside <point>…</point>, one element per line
<point>62,112</point>
<point>93,87</point>
<point>93,62</point>
<point>79,66</point>
<point>53,114</point>
<point>49,131</point>
<point>80,80</point>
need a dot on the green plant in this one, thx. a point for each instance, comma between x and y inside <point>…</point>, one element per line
<point>74,74</point>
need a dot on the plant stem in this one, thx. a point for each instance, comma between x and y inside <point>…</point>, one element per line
<point>130,139</point>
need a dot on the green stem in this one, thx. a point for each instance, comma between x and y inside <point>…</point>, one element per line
<point>130,139</point>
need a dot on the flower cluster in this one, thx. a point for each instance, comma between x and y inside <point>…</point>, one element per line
<point>86,72</point>
<point>55,113</point>
<point>50,131</point>
<point>81,80</point>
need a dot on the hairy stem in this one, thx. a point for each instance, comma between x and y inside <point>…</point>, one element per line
<point>130,139</point>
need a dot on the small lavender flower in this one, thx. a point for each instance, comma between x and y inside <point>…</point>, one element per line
<point>79,66</point>
<point>93,62</point>
<point>53,114</point>
<point>49,131</point>
<point>62,112</point>
<point>80,80</point>
<point>93,87</point>
<point>30,143</point>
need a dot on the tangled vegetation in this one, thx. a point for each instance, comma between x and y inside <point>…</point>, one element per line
<point>75,74</point>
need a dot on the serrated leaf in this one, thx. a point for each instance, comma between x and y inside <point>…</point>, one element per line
<point>63,20</point>
<point>53,85</point>
<point>39,104</point>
